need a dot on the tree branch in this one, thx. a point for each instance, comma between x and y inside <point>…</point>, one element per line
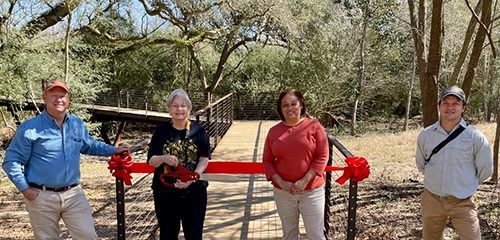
<point>236,67</point>
<point>108,37</point>
<point>199,66</point>
<point>49,18</point>
<point>153,11</point>
<point>465,47</point>
<point>138,45</point>
<point>493,50</point>
<point>7,15</point>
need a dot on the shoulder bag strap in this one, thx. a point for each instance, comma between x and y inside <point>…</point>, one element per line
<point>450,137</point>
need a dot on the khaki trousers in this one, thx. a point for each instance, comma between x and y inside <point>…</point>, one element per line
<point>71,205</point>
<point>311,205</point>
<point>462,212</point>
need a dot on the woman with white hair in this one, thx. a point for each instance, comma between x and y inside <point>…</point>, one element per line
<point>185,143</point>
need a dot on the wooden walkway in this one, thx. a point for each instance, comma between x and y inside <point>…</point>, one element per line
<point>106,113</point>
<point>241,207</point>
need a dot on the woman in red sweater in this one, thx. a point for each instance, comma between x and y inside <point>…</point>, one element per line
<point>295,156</point>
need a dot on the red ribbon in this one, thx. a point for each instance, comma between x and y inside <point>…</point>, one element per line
<point>357,169</point>
<point>180,173</point>
<point>121,166</point>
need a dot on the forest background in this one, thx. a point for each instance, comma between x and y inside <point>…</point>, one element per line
<point>363,65</point>
<point>355,60</point>
<point>358,62</point>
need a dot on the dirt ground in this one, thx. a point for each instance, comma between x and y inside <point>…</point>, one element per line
<point>388,200</point>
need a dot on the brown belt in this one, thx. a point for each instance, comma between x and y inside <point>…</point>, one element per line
<point>446,197</point>
<point>59,189</point>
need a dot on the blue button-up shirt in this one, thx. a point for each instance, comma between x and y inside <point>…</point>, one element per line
<point>43,153</point>
<point>460,166</point>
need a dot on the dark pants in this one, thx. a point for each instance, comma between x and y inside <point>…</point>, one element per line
<point>186,206</point>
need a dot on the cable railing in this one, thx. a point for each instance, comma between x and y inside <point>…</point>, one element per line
<point>216,118</point>
<point>148,100</point>
<point>139,222</point>
<point>135,223</point>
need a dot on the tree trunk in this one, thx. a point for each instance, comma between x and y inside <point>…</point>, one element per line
<point>362,76</point>
<point>410,90</point>
<point>487,88</point>
<point>32,98</point>
<point>66,49</point>
<point>428,69</point>
<point>199,67</point>
<point>429,82</point>
<point>354,115</point>
<point>491,100</point>
<point>495,149</point>
<point>465,46</point>
<point>477,49</point>
<point>6,122</point>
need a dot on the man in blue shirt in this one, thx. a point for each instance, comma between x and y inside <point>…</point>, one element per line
<point>43,162</point>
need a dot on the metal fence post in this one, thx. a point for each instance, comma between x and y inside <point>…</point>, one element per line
<point>146,102</point>
<point>351,214</point>
<point>217,119</point>
<point>119,99</point>
<point>353,193</point>
<point>328,190</point>
<point>209,125</point>
<point>128,98</point>
<point>120,209</point>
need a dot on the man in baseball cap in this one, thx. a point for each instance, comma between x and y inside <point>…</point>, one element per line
<point>453,173</point>
<point>43,162</point>
<point>453,91</point>
<point>51,84</point>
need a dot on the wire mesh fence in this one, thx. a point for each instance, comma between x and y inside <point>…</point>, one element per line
<point>140,221</point>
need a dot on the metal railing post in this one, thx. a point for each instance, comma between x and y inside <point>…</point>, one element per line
<point>353,193</point>
<point>209,124</point>
<point>120,209</point>
<point>328,190</point>
<point>232,109</point>
<point>128,98</point>
<point>217,119</point>
<point>118,99</point>
<point>146,102</point>
<point>351,214</point>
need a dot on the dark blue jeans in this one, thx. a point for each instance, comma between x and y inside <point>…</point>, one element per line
<point>186,206</point>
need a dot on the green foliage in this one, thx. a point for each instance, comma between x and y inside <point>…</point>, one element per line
<point>26,63</point>
<point>309,45</point>
<point>260,71</point>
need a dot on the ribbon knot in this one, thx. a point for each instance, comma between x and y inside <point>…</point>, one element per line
<point>357,169</point>
<point>171,175</point>
<point>119,166</point>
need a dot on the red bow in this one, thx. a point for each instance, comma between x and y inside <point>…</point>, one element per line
<point>180,173</point>
<point>119,167</point>
<point>357,169</point>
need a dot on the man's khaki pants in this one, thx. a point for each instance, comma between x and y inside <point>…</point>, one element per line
<point>71,205</point>
<point>462,212</point>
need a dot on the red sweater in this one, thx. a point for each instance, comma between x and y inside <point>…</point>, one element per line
<point>291,151</point>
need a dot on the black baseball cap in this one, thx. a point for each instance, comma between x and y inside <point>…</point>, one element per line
<point>453,91</point>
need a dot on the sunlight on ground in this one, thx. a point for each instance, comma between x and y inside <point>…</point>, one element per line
<point>388,199</point>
